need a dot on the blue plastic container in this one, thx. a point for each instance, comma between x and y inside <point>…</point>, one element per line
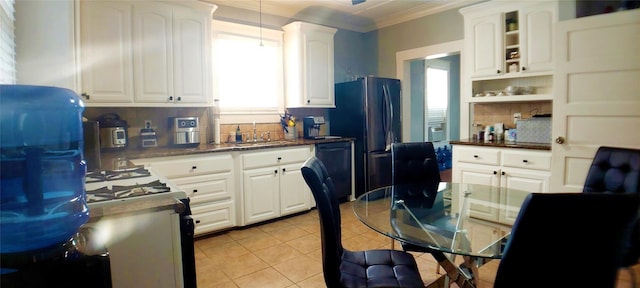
<point>42,169</point>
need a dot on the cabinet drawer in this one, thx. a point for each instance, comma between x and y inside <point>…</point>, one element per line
<point>206,188</point>
<point>212,217</point>
<point>527,160</point>
<point>275,157</point>
<point>478,156</point>
<point>172,167</point>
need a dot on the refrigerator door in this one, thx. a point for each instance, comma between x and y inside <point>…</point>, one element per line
<point>382,113</point>
<point>378,170</point>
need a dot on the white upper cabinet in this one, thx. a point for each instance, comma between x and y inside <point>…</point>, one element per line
<point>510,40</point>
<point>161,53</point>
<point>106,65</point>
<point>309,65</point>
<point>537,36</point>
<point>486,38</point>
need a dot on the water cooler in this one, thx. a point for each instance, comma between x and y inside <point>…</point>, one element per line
<point>43,206</point>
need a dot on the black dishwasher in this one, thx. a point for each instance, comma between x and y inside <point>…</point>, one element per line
<point>336,156</point>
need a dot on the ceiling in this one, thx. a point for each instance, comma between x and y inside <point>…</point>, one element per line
<point>363,17</point>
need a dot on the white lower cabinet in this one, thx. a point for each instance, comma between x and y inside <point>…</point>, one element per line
<point>272,183</point>
<point>503,168</point>
<point>208,181</point>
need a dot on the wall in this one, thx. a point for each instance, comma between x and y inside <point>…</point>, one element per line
<point>429,30</point>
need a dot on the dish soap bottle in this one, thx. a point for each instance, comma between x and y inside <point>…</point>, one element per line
<point>238,135</point>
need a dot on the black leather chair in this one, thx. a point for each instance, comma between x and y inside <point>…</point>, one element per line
<point>414,162</point>
<point>344,268</point>
<point>567,240</point>
<point>617,170</point>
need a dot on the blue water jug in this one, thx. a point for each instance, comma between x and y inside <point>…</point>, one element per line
<point>42,169</point>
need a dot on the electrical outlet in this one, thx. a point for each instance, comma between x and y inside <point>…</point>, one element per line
<point>516,116</point>
<point>147,123</point>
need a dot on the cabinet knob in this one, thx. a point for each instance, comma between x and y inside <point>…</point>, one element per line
<point>524,68</point>
<point>275,171</point>
<point>194,167</point>
<point>498,71</point>
<point>502,173</point>
<point>195,190</point>
<point>85,95</point>
<point>308,101</point>
<point>197,221</point>
<point>475,156</point>
<point>279,158</point>
<point>179,98</point>
<point>495,172</point>
<point>525,161</point>
<point>560,140</point>
<point>284,170</point>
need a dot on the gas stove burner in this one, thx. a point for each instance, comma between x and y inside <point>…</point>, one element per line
<point>120,191</point>
<point>110,175</point>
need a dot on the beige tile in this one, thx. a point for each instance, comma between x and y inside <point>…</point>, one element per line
<point>245,233</point>
<point>211,277</point>
<point>300,268</point>
<point>273,226</point>
<point>241,266</point>
<point>259,242</point>
<point>266,278</point>
<point>306,244</point>
<point>315,281</point>
<point>277,254</point>
<point>228,250</point>
<point>212,241</point>
<point>288,233</point>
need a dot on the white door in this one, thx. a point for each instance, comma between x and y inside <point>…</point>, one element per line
<point>596,92</point>
<point>295,195</point>
<point>537,33</point>
<point>191,56</point>
<point>261,194</point>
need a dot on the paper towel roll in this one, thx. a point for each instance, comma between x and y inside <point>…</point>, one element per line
<point>216,131</point>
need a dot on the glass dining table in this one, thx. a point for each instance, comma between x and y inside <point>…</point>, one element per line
<point>447,220</point>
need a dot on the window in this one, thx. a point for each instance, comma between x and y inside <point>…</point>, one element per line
<point>7,43</point>
<point>248,71</point>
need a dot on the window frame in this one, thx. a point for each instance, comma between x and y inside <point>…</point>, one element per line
<point>223,29</point>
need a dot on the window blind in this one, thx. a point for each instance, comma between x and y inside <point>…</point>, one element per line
<point>7,43</point>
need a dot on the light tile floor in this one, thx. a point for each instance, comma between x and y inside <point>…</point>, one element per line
<point>287,253</point>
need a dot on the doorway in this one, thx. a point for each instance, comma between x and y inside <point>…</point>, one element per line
<point>411,69</point>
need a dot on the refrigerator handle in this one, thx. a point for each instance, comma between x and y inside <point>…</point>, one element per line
<point>387,117</point>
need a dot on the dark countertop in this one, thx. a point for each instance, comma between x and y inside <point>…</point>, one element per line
<point>118,159</point>
<point>504,144</point>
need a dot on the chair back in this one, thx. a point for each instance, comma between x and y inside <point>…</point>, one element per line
<point>318,180</point>
<point>414,162</point>
<point>617,170</point>
<point>614,170</point>
<point>559,240</point>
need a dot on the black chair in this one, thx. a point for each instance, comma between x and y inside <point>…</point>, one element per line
<point>344,268</point>
<point>567,240</point>
<point>414,162</point>
<point>617,170</point>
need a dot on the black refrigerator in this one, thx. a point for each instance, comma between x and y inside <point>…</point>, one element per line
<point>368,109</point>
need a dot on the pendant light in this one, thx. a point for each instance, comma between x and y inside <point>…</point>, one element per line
<point>261,45</point>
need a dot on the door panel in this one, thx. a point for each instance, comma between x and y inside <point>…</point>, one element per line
<point>379,170</point>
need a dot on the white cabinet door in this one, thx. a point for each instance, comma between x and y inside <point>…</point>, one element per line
<point>486,38</point>
<point>309,65</point>
<point>295,195</point>
<point>191,60</point>
<point>106,60</point>
<point>537,26</point>
<point>153,52</point>
<point>261,194</point>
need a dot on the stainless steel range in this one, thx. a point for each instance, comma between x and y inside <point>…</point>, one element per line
<point>119,184</point>
<point>140,187</point>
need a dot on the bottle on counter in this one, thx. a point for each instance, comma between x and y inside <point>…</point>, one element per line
<point>238,135</point>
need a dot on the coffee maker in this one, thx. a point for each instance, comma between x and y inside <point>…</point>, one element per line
<point>311,126</point>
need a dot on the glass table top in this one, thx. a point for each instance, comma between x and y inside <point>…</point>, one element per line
<point>463,219</point>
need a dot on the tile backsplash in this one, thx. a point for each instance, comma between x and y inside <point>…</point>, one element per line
<point>491,113</point>
<point>159,117</point>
